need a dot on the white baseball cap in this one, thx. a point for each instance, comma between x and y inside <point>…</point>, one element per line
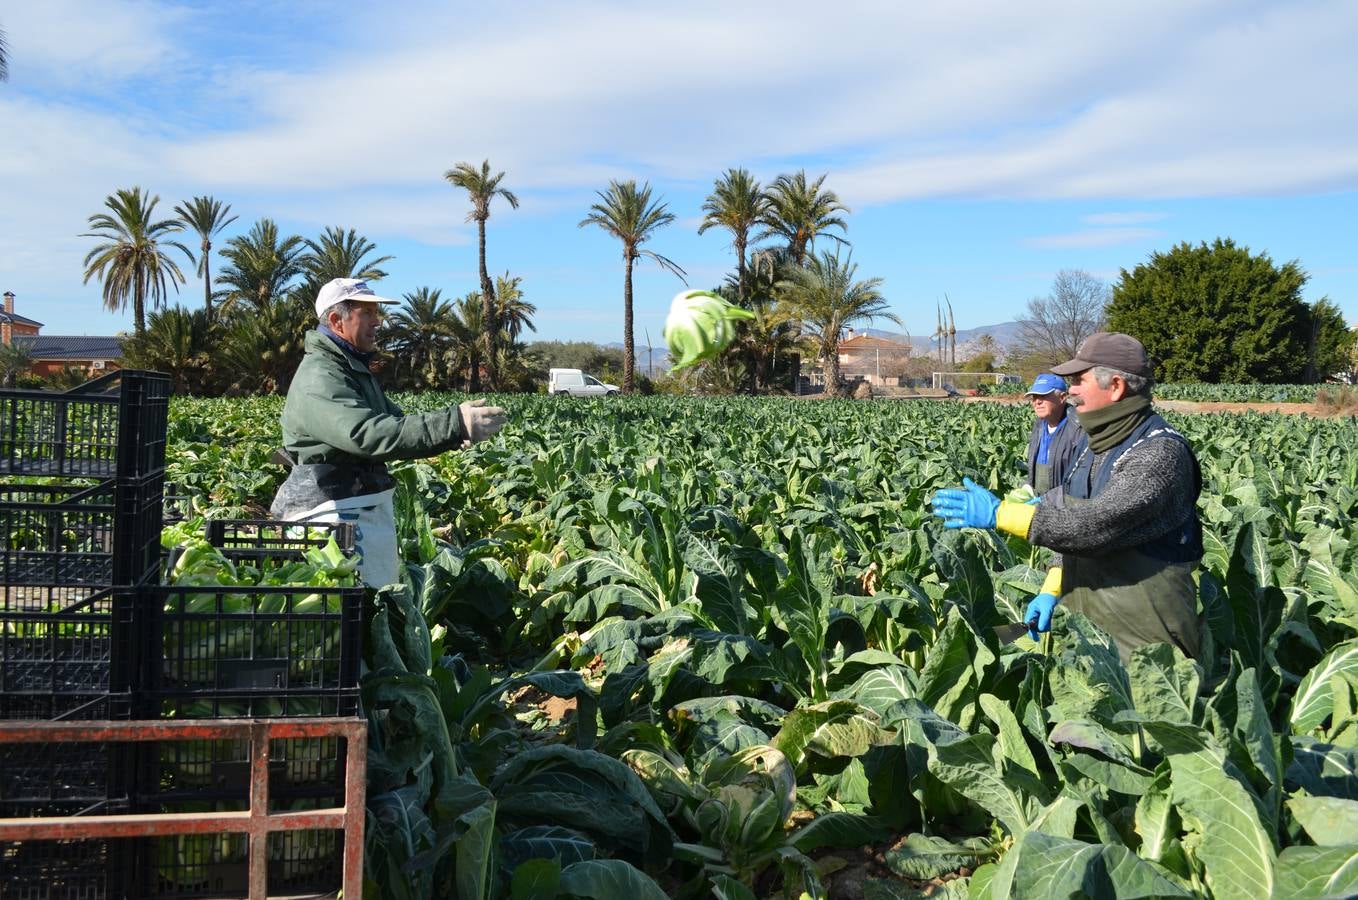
<point>338,289</point>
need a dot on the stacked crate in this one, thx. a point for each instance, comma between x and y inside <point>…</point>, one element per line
<point>89,631</point>
<point>81,483</point>
<point>225,652</point>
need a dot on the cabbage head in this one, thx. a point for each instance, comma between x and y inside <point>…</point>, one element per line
<point>700,325</point>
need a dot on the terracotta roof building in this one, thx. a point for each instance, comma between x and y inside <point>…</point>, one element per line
<point>52,353</point>
<point>873,359</point>
<point>12,324</point>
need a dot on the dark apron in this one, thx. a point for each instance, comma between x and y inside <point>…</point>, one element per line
<point>1042,477</point>
<point>1139,595</point>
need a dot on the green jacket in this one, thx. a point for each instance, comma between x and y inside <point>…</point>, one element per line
<point>336,413</point>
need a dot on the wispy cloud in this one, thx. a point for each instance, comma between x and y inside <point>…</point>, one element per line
<point>69,43</point>
<point>321,114</point>
<point>1094,237</point>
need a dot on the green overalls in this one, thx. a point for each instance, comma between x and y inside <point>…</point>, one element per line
<point>1143,594</point>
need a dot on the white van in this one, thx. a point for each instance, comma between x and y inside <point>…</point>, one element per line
<point>576,383</point>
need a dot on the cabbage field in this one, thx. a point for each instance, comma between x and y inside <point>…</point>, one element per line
<point>660,647</point>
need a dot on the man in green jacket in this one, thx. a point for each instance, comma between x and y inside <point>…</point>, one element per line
<point>340,429</point>
<point>1125,517</point>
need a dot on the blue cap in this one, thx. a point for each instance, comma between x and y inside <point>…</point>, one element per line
<point>1046,383</point>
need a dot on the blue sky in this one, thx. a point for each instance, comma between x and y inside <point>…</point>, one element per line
<point>981,146</point>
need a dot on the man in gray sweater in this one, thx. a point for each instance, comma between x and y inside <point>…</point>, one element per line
<point>1125,519</point>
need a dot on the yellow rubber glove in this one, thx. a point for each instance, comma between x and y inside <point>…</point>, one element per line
<point>1015,518</point>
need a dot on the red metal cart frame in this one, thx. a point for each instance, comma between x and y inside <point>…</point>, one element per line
<point>256,821</point>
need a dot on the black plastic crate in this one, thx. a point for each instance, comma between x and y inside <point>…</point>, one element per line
<point>106,533</point>
<point>111,427</point>
<point>214,770</point>
<point>300,863</point>
<point>62,870</point>
<point>260,542</point>
<point>268,538</point>
<point>64,779</point>
<point>259,651</point>
<point>178,506</point>
<point>67,652</point>
<point>54,778</point>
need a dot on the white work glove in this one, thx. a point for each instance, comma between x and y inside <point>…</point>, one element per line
<point>480,421</point>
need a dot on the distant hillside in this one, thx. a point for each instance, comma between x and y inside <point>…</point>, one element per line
<point>1004,334</point>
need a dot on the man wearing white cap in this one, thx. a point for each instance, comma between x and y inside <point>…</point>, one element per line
<point>340,429</point>
<point>1055,439</point>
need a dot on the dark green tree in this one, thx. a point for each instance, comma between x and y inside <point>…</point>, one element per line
<point>1331,341</point>
<point>592,358</point>
<point>1216,313</point>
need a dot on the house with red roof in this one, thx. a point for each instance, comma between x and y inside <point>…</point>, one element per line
<point>52,353</point>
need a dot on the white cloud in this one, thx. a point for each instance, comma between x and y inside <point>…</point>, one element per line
<point>68,43</point>
<point>1118,103</point>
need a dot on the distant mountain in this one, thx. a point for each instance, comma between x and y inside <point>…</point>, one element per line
<point>1004,334</point>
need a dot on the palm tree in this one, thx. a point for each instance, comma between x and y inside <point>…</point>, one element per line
<point>132,260</point>
<point>261,350</point>
<point>4,58</point>
<point>629,214</point>
<point>519,369</point>
<point>177,341</point>
<point>825,299</point>
<point>421,334</point>
<point>766,337</point>
<point>737,203</point>
<point>799,212</point>
<point>512,311</point>
<point>340,254</point>
<point>468,330</point>
<point>481,188</point>
<point>15,358</point>
<point>207,217</point>
<point>259,267</point>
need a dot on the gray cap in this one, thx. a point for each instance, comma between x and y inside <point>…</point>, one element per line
<point>1112,349</point>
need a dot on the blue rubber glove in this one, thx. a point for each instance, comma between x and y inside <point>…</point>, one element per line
<point>971,507</point>
<point>1038,617</point>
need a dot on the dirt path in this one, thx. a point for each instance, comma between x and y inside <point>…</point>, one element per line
<point>1287,409</point>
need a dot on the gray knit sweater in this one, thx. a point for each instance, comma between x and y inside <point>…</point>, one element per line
<point>1149,493</point>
